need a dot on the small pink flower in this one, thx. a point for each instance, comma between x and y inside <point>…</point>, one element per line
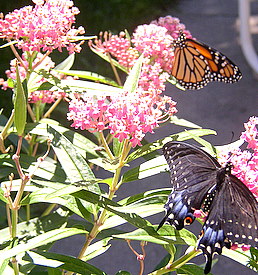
<point>46,27</point>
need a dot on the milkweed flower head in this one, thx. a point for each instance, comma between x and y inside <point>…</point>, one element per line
<point>126,115</point>
<point>154,41</point>
<point>245,162</point>
<point>173,26</point>
<point>44,27</point>
<point>45,96</point>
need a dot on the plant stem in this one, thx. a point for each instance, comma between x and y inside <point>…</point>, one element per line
<point>49,209</point>
<point>113,188</point>
<point>95,230</point>
<point>4,134</point>
<point>114,70</point>
<point>32,116</point>
<point>51,109</point>
<point>14,223</point>
<point>107,149</point>
<point>177,264</point>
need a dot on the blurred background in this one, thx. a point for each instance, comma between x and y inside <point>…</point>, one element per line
<point>218,106</point>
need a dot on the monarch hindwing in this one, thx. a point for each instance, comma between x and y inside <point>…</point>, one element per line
<point>196,64</point>
<point>199,182</point>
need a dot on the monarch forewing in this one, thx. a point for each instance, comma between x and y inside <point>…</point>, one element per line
<point>196,64</point>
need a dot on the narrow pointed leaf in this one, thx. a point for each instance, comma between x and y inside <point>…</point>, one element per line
<point>66,64</point>
<point>146,169</point>
<point>40,240</point>
<point>74,165</point>
<point>182,122</point>
<point>90,76</point>
<point>64,262</point>
<point>131,82</point>
<point>113,207</point>
<point>164,236</point>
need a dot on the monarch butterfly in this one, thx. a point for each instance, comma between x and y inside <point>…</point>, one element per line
<point>196,64</point>
<point>199,182</point>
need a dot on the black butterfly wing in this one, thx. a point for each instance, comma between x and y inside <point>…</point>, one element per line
<point>232,219</point>
<point>193,174</point>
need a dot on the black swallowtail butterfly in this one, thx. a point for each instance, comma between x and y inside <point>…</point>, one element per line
<point>199,182</point>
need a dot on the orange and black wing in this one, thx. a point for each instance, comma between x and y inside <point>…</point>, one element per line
<point>196,64</point>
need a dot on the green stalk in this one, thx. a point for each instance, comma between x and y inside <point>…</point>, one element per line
<point>4,132</point>
<point>13,235</point>
<point>14,222</point>
<point>177,264</point>
<point>114,187</point>
<point>104,143</point>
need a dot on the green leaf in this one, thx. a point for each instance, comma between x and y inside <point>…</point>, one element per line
<point>132,80</point>
<point>90,76</point>
<point>8,44</point>
<point>146,149</point>
<point>45,238</point>
<point>157,196</point>
<point>96,249</point>
<point>2,196</point>
<point>49,169</point>
<point>182,122</point>
<point>85,146</point>
<point>20,105</point>
<point>165,235</point>
<point>117,147</point>
<point>66,64</point>
<point>91,88</point>
<point>191,269</point>
<point>36,226</point>
<point>122,272</point>
<point>81,208</point>
<point>146,169</point>
<point>207,145</point>
<point>113,207</point>
<point>144,205</point>
<point>64,262</point>
<point>74,165</point>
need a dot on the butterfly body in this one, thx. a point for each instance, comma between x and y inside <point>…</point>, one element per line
<point>196,64</point>
<point>199,182</point>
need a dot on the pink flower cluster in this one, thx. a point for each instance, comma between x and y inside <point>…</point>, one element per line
<point>45,96</point>
<point>245,162</point>
<point>154,41</point>
<point>173,26</point>
<point>118,46</point>
<point>127,115</point>
<point>46,27</point>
